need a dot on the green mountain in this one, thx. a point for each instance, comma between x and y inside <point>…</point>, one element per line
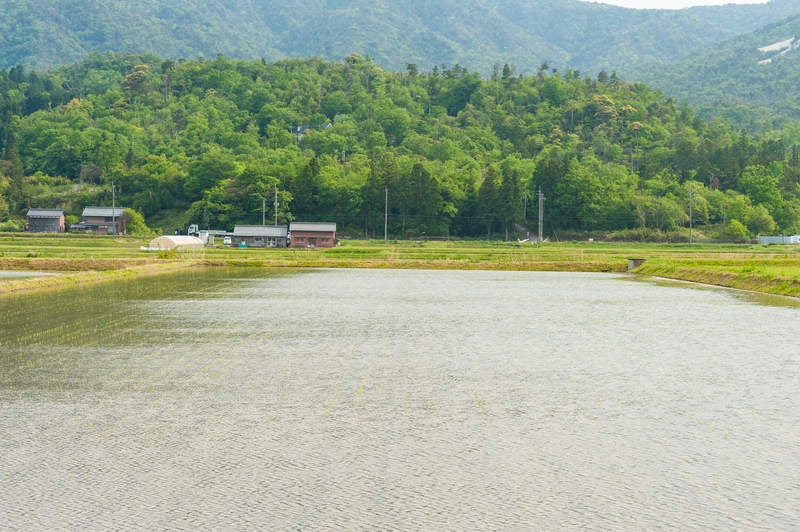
<point>478,34</point>
<point>751,80</point>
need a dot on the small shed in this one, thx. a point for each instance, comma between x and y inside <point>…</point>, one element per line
<point>260,236</point>
<point>176,242</point>
<point>312,234</point>
<point>45,221</point>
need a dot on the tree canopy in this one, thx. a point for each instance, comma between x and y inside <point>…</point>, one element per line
<point>213,141</point>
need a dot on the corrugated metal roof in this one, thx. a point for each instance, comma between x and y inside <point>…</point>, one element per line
<point>260,230</point>
<point>108,212</point>
<point>326,227</point>
<point>45,213</point>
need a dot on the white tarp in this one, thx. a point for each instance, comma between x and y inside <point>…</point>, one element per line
<point>168,242</point>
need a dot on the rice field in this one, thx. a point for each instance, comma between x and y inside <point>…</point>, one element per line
<point>772,269</point>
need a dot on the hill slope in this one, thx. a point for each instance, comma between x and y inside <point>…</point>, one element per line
<point>210,142</point>
<point>751,79</point>
<point>474,33</point>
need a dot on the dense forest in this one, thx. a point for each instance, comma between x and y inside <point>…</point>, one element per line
<point>474,33</point>
<point>740,80</point>
<point>449,152</point>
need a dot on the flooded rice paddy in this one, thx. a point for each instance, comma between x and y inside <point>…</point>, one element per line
<point>366,399</point>
<point>6,274</point>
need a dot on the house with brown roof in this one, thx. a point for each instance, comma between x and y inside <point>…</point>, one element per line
<point>101,221</point>
<point>312,234</point>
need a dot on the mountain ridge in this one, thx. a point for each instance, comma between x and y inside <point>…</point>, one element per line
<point>568,34</point>
<point>740,80</point>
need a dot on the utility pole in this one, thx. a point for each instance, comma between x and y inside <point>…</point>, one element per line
<point>263,210</point>
<point>113,208</point>
<point>386,215</point>
<point>276,205</point>
<point>691,220</point>
<point>541,216</point>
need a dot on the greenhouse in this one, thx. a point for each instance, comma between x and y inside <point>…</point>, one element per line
<point>176,242</point>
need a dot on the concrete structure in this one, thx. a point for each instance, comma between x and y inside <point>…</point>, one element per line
<point>101,221</point>
<point>312,234</point>
<point>46,221</point>
<point>260,236</point>
<point>176,242</point>
<point>782,239</point>
<point>635,263</point>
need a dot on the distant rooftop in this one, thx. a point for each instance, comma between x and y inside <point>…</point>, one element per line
<point>108,212</point>
<point>328,227</point>
<point>45,213</point>
<point>260,230</point>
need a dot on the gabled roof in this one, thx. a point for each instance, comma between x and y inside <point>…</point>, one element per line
<point>260,230</point>
<point>107,212</point>
<point>45,213</point>
<point>319,227</point>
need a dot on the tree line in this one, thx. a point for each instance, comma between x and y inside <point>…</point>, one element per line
<point>442,153</point>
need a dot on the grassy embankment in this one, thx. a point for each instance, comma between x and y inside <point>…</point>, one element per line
<point>77,259</point>
<point>84,258</point>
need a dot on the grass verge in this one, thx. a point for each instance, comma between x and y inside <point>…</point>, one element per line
<point>768,269</point>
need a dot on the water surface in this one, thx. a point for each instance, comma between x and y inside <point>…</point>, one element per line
<point>375,399</point>
<point>9,274</point>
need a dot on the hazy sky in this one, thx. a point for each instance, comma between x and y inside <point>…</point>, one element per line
<point>675,4</point>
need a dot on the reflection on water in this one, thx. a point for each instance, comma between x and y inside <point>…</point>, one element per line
<point>398,399</point>
<point>20,274</point>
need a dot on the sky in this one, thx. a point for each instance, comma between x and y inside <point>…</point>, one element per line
<point>675,4</point>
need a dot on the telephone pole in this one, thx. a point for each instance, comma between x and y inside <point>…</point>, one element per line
<point>386,216</point>
<point>691,217</point>
<point>541,216</point>
<point>276,205</point>
<point>113,208</point>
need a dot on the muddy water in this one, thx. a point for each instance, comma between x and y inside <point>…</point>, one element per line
<point>6,274</point>
<point>398,399</point>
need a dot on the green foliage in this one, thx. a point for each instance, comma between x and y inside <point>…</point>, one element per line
<point>436,153</point>
<point>736,81</point>
<point>12,226</point>
<point>134,223</point>
<point>573,34</point>
<point>735,231</point>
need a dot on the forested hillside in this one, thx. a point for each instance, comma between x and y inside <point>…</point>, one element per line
<point>211,141</point>
<point>476,34</point>
<point>738,81</point>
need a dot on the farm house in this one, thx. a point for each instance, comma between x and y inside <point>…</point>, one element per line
<point>312,234</point>
<point>259,236</point>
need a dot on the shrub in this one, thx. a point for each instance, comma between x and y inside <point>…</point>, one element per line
<point>12,226</point>
<point>735,231</point>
